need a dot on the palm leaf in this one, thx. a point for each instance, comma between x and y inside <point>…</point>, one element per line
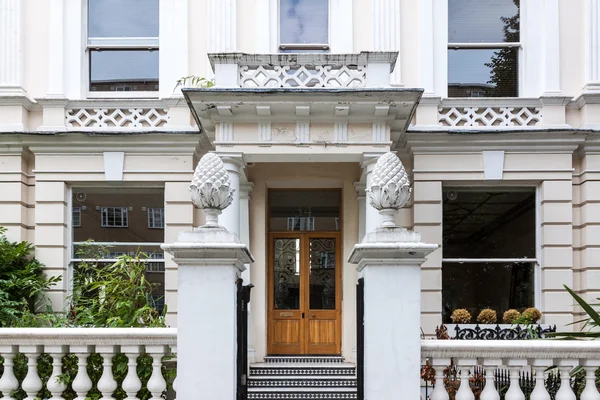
<point>594,316</point>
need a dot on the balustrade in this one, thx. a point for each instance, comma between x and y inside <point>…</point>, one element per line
<point>35,361</point>
<point>513,370</point>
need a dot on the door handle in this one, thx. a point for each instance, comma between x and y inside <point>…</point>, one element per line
<point>312,315</point>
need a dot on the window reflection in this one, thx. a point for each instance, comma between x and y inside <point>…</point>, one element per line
<point>123,70</point>
<point>304,22</point>
<point>119,18</point>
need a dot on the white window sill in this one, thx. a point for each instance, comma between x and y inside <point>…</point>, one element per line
<point>123,95</point>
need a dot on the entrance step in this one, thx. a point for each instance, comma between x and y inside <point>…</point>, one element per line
<point>302,377</point>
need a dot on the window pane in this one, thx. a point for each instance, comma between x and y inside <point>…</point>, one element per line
<point>286,273</point>
<point>304,210</point>
<point>304,21</point>
<point>322,273</point>
<point>119,18</point>
<point>123,70</point>
<point>483,21</point>
<point>483,73</point>
<point>475,286</point>
<point>489,224</point>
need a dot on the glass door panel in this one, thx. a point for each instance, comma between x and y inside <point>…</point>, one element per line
<point>286,272</point>
<point>322,280</point>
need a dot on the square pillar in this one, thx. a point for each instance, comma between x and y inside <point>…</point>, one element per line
<point>390,260</point>
<point>210,260</point>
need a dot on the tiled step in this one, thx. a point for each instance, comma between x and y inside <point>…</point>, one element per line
<point>301,394</point>
<point>317,369</point>
<point>303,381</point>
<point>302,377</point>
<point>304,359</point>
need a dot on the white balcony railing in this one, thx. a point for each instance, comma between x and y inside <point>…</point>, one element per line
<point>304,70</point>
<point>155,345</point>
<point>484,113</point>
<point>547,361</point>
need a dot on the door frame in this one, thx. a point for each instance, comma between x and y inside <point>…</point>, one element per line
<point>305,237</point>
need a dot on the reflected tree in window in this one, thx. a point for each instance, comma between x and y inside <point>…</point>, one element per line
<point>504,62</point>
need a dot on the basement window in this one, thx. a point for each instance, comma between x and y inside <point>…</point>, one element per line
<point>489,250</point>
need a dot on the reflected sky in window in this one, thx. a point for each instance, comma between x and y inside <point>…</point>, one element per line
<point>123,18</point>
<point>124,65</point>
<point>479,21</point>
<point>304,21</point>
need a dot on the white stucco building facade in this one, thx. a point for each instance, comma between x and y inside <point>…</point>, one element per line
<point>505,182</point>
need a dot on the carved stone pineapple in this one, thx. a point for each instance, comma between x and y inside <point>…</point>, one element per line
<point>389,189</point>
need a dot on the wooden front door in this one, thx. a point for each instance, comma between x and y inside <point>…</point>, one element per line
<point>304,293</point>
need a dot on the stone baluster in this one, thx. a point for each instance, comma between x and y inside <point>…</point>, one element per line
<point>131,384</point>
<point>174,352</point>
<point>55,385</point>
<point>590,392</point>
<point>514,391</point>
<point>107,383</point>
<point>32,383</point>
<point>565,392</point>
<point>439,391</point>
<point>8,382</point>
<point>489,392</point>
<point>465,392</point>
<point>540,392</point>
<point>156,384</point>
<point>82,383</point>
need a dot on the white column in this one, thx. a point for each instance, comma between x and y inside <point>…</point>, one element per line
<point>592,45</point>
<point>426,53</point>
<point>386,34</point>
<point>552,48</point>
<point>210,260</point>
<point>341,31</point>
<point>55,50</point>
<point>75,84</point>
<point>230,218</point>
<point>362,208</point>
<point>221,23</point>
<point>245,190</point>
<point>11,47</point>
<point>372,217</point>
<point>440,48</point>
<point>174,45</point>
<point>390,260</point>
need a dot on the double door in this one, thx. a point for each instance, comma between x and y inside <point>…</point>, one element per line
<point>304,293</point>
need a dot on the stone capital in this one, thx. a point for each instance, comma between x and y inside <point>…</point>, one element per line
<point>209,246</point>
<point>234,162</point>
<point>368,160</point>
<point>246,189</point>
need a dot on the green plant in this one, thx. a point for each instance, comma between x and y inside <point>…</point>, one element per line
<point>487,316</point>
<point>460,316</point>
<point>22,282</point>
<point>194,81</point>
<point>530,316</point>
<point>511,316</point>
<point>589,329</point>
<point>115,295</point>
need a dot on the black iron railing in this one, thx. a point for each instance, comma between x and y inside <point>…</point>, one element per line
<point>360,338</point>
<point>242,299</point>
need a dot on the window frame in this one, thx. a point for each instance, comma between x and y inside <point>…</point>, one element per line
<point>303,47</point>
<point>487,46</point>
<point>150,211</point>
<point>115,43</point>
<point>536,261</point>
<point>76,211</point>
<point>106,209</point>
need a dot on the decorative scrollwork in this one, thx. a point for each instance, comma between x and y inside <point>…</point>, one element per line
<point>487,332</point>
